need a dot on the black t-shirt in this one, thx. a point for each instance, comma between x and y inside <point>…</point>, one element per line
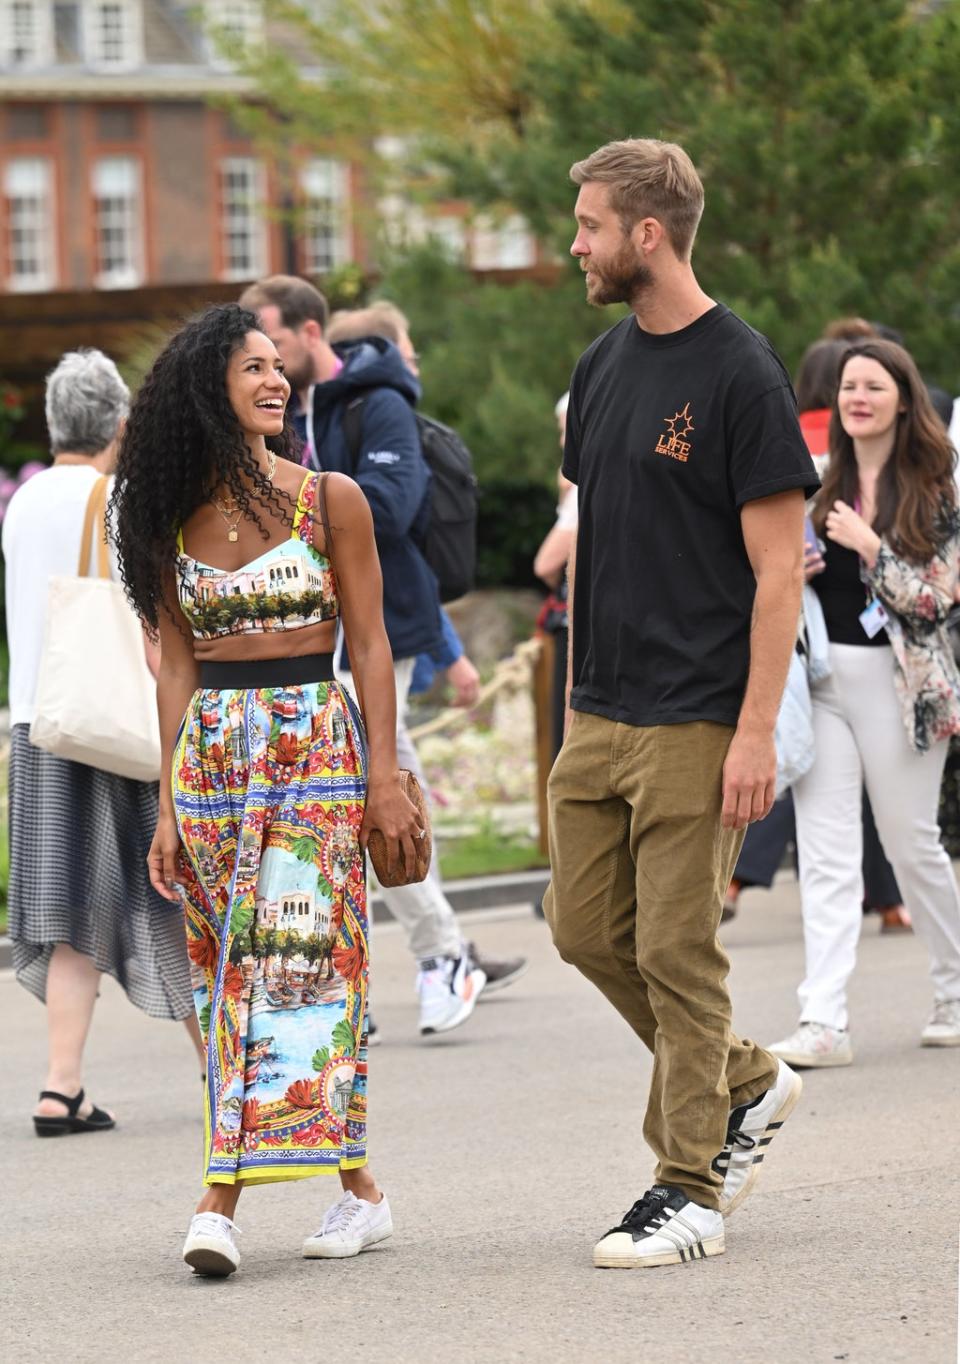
<point>667,437</point>
<point>843,596</point>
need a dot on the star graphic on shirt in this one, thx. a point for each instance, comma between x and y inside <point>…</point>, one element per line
<point>684,417</point>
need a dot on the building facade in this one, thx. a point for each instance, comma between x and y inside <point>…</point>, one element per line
<point>118,170</point>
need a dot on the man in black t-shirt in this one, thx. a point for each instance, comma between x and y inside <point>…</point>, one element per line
<point>683,439</point>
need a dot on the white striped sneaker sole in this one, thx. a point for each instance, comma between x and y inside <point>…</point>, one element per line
<point>688,1255</point>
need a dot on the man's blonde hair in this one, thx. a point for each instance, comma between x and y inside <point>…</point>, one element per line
<point>379,319</point>
<point>648,179</point>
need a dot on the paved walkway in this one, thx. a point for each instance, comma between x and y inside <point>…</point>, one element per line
<point>507,1149</point>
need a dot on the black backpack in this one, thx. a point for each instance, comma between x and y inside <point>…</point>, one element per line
<point>450,539</point>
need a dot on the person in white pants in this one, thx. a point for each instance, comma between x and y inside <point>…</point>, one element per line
<point>886,579</point>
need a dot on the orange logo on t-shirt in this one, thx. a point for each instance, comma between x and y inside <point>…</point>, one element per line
<point>671,442</point>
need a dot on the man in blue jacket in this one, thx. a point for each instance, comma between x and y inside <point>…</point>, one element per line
<point>391,470</point>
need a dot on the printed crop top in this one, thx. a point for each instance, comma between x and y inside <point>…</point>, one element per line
<point>289,586</point>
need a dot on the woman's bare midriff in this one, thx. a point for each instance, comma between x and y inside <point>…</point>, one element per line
<point>309,639</point>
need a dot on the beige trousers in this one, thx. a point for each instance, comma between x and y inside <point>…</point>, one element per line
<point>639,866</point>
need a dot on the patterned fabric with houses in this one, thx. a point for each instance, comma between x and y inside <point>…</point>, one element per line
<point>269,789</point>
<point>289,586</point>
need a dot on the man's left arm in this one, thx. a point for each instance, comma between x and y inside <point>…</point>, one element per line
<point>773,536</point>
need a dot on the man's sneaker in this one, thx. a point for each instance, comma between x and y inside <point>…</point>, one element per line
<point>449,988</point>
<point>662,1228</point>
<point>943,1030</point>
<point>499,971</point>
<point>750,1130</point>
<point>349,1226</point>
<point>813,1046</point>
<point>211,1247</point>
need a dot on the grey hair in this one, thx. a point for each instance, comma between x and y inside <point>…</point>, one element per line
<point>86,402</point>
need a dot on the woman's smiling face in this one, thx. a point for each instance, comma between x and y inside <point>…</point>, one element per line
<point>257,386</point>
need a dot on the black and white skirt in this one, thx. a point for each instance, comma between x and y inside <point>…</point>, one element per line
<point>79,839</point>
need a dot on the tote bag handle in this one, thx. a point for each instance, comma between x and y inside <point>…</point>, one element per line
<point>95,517</point>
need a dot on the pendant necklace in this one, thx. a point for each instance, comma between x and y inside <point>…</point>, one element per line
<point>230,510</point>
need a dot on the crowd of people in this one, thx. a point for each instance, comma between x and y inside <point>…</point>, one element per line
<point>710,539</point>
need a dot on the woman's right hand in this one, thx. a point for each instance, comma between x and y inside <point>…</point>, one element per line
<point>813,561</point>
<point>162,858</point>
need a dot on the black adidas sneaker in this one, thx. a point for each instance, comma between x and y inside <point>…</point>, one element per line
<point>662,1228</point>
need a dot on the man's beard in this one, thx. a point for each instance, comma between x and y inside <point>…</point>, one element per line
<point>619,282</point>
<point>300,375</point>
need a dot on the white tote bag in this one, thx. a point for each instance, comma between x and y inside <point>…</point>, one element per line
<point>96,700</point>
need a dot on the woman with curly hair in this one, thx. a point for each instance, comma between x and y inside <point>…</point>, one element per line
<point>888,515</point>
<point>227,550</point>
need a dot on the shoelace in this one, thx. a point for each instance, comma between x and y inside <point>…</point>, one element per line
<point>340,1216</point>
<point>946,1011</point>
<point>645,1215</point>
<point>211,1224</point>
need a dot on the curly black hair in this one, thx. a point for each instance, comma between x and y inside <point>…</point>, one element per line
<point>182,441</point>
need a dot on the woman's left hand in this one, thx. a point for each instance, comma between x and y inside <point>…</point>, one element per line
<point>395,815</point>
<point>848,528</point>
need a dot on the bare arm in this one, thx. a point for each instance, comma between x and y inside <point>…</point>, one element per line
<point>571,578</point>
<point>773,536</point>
<point>553,554</point>
<point>360,588</point>
<point>177,680</point>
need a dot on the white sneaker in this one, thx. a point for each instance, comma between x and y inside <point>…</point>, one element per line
<point>943,1030</point>
<point>750,1130</point>
<point>662,1228</point>
<point>449,988</point>
<point>815,1046</point>
<point>349,1226</point>
<point>210,1247</point>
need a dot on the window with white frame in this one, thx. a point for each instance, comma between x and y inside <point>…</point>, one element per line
<point>325,187</point>
<point>503,244</point>
<point>26,33</point>
<point>118,222</point>
<point>113,33</point>
<point>30,264</point>
<point>242,228</point>
<point>234,22</point>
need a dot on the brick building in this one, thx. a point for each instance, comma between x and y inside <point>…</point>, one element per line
<point>117,171</point>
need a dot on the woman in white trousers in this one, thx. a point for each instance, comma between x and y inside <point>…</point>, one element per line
<point>886,580</point>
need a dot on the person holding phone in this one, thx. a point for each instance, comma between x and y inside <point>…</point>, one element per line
<point>272,780</point>
<point>888,517</point>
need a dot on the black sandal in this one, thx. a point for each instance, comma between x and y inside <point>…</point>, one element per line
<point>97,1121</point>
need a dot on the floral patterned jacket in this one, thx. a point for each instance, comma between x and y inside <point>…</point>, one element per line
<point>917,600</point>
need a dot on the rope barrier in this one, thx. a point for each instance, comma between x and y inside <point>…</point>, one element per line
<point>512,672</point>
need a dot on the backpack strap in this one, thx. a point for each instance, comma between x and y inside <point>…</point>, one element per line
<point>351,424</point>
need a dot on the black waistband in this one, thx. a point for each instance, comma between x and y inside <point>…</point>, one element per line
<point>251,674</point>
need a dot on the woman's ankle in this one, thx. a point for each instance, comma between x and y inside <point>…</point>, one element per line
<point>222,1199</point>
<point>361,1184</point>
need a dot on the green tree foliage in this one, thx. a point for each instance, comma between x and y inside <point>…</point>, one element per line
<point>825,130</point>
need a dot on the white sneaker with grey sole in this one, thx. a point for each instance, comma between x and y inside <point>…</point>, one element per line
<point>211,1248</point>
<point>662,1228</point>
<point>349,1226</point>
<point>750,1130</point>
<point>815,1046</point>
<point>943,1030</point>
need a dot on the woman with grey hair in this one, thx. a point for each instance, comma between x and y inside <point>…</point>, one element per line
<point>80,900</point>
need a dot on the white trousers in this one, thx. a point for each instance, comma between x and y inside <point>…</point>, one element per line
<point>424,911</point>
<point>860,738</point>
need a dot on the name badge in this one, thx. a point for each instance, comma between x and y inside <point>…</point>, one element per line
<point>873,619</point>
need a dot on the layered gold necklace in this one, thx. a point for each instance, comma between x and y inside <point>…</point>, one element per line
<point>231,512</point>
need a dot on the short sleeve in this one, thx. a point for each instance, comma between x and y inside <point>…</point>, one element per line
<point>768,453</point>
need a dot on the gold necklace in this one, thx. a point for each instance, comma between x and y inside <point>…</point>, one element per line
<point>228,510</point>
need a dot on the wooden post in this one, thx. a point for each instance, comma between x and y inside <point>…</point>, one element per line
<point>543,708</point>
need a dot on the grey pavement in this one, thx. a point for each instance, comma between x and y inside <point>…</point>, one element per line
<point>507,1149</point>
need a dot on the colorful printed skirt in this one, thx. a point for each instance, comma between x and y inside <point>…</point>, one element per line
<point>269,790</point>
